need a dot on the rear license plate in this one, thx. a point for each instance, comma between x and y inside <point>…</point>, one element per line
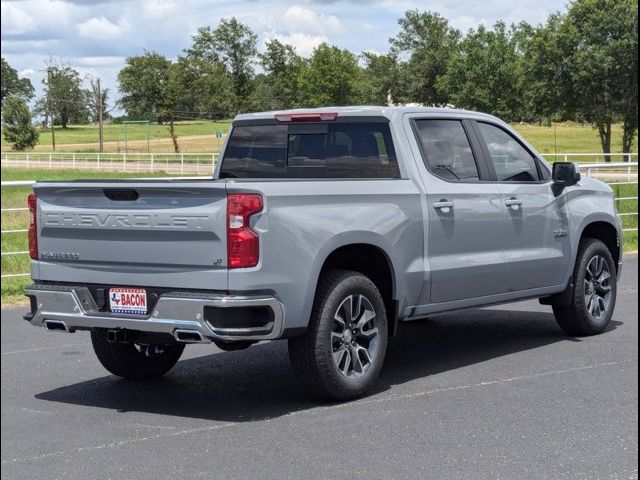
<point>128,300</point>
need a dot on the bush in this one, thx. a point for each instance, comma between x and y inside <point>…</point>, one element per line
<point>16,124</point>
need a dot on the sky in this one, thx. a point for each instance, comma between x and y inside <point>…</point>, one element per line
<point>95,36</point>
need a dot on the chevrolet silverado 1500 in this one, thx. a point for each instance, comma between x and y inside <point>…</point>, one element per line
<point>327,228</point>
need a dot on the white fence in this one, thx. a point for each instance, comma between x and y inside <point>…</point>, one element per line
<point>615,173</point>
<point>203,163</point>
<point>173,163</point>
<point>596,158</point>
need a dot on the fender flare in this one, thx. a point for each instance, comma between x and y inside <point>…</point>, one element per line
<point>354,238</point>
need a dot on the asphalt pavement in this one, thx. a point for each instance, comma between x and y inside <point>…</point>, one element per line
<point>497,393</point>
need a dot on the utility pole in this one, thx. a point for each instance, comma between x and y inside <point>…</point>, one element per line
<point>53,131</point>
<point>100,107</point>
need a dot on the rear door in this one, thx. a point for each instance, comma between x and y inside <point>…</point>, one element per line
<point>537,248</point>
<point>160,233</point>
<point>465,218</point>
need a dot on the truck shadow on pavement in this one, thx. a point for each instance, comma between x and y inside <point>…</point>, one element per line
<point>258,383</point>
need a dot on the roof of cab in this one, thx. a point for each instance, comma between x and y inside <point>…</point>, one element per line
<point>366,111</point>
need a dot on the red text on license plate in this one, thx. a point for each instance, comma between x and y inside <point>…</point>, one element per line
<point>128,300</point>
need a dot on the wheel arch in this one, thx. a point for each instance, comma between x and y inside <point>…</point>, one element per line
<point>370,258</point>
<point>604,230</point>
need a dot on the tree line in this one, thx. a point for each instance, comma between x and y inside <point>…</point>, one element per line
<point>581,64</point>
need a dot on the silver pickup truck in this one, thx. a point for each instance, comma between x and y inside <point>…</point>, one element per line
<point>327,228</point>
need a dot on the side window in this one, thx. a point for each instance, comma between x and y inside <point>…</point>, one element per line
<point>446,149</point>
<point>512,162</point>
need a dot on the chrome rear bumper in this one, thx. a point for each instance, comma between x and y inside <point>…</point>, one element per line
<point>71,308</point>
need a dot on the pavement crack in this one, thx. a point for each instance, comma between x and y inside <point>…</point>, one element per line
<point>14,352</point>
<point>128,441</point>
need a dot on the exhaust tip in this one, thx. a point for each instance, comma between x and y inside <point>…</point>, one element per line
<point>188,336</point>
<point>55,326</point>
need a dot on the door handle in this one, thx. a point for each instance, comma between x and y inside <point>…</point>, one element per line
<point>443,205</point>
<point>513,203</point>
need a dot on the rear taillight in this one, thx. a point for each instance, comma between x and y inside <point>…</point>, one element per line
<point>243,244</point>
<point>32,201</point>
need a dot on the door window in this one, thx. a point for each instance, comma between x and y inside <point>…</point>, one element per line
<point>446,150</point>
<point>512,162</point>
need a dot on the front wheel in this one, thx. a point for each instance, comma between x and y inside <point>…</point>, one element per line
<point>341,354</point>
<point>135,360</point>
<point>594,294</point>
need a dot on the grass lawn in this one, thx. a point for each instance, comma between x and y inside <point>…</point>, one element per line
<point>569,137</point>
<point>135,131</point>
<point>16,197</point>
<point>628,221</point>
<point>84,138</point>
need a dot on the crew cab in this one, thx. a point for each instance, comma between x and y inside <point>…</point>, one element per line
<point>327,227</point>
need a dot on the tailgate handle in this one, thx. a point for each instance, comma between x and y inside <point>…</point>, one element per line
<point>121,194</point>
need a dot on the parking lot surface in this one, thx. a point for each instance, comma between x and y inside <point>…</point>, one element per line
<point>486,393</point>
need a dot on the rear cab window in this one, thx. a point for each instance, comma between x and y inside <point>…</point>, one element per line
<point>311,150</point>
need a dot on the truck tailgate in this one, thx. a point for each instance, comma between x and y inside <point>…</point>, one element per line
<point>155,232</point>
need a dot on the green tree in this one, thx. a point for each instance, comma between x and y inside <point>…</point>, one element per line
<point>330,77</point>
<point>175,98</point>
<point>282,66</point>
<point>604,65</point>
<point>234,44</point>
<point>430,42</point>
<point>12,84</point>
<point>546,71</point>
<point>70,102</point>
<point>208,90</point>
<point>16,124</point>
<point>483,74</point>
<point>142,83</point>
<point>264,97</point>
<point>383,81</point>
<point>630,86</point>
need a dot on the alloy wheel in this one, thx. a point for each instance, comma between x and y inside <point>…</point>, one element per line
<point>597,287</point>
<point>354,338</point>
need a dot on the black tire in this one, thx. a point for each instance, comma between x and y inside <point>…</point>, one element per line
<point>576,319</point>
<point>312,355</point>
<point>136,362</point>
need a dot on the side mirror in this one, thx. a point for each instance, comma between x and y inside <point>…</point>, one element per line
<point>565,174</point>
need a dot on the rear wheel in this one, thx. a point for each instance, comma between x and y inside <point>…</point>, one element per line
<point>341,354</point>
<point>594,294</point>
<point>135,360</point>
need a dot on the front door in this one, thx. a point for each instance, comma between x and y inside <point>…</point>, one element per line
<point>537,248</point>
